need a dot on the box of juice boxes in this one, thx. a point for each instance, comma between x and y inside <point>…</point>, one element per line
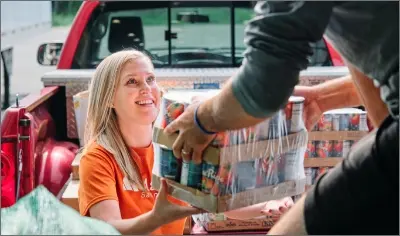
<point>240,167</point>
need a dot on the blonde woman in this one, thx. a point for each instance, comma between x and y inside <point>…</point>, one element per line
<point>116,166</point>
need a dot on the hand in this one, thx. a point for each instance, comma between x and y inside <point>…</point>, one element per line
<point>191,141</point>
<point>166,212</point>
<point>312,110</point>
<point>277,207</point>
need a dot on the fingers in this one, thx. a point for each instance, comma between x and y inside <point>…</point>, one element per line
<point>197,156</point>
<point>283,209</point>
<point>172,127</point>
<point>277,207</point>
<point>178,146</point>
<point>186,153</point>
<point>301,91</point>
<point>162,193</point>
<point>271,212</point>
<point>289,202</point>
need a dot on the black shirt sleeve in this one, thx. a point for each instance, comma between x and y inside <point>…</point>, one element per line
<point>360,195</point>
<point>278,45</point>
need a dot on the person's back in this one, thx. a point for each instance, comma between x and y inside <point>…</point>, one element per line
<point>365,187</point>
<point>367,35</point>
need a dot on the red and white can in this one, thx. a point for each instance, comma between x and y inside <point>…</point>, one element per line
<point>325,123</point>
<point>296,116</point>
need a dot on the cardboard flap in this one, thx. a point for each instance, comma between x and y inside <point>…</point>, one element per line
<point>336,135</point>
<point>241,152</point>
<point>195,197</point>
<point>218,204</point>
<point>211,154</point>
<point>322,162</point>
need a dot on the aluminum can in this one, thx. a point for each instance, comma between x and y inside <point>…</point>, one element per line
<point>191,174</point>
<point>170,165</point>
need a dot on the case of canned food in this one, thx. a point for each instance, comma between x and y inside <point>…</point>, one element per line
<point>240,167</point>
<point>334,134</point>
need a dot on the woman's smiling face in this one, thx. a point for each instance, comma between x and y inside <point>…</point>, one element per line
<point>137,97</point>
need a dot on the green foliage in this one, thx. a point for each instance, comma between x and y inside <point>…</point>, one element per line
<point>62,20</point>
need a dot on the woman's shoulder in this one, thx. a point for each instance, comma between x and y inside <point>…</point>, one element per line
<point>94,154</point>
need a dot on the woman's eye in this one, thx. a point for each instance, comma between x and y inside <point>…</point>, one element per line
<point>150,79</point>
<point>132,81</point>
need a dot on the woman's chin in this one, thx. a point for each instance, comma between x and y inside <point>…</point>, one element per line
<point>147,119</point>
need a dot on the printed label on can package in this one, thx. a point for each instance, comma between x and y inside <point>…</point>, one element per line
<point>346,147</point>
<point>210,177</point>
<point>191,174</point>
<point>297,118</point>
<point>245,176</point>
<point>169,165</point>
<point>324,149</point>
<point>337,148</point>
<point>311,150</point>
<point>325,123</point>
<point>267,172</point>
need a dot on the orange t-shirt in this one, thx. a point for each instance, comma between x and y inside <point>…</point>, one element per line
<point>101,179</point>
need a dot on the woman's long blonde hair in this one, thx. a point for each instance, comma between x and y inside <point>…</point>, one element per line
<point>102,125</point>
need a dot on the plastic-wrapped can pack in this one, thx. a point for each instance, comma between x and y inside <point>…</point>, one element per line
<point>240,167</point>
<point>339,120</point>
<point>41,213</point>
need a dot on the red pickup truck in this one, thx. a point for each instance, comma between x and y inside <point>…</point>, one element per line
<point>193,44</point>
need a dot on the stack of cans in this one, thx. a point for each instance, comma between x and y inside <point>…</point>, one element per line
<point>269,169</point>
<point>312,174</point>
<point>347,119</point>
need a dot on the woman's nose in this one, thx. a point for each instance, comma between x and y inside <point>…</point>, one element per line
<point>145,88</point>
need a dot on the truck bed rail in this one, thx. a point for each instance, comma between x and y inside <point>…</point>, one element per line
<point>76,81</point>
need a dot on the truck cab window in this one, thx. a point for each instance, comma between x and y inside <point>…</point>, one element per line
<point>200,36</point>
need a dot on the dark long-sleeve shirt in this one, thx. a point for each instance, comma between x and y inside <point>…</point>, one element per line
<point>360,195</point>
<point>278,41</point>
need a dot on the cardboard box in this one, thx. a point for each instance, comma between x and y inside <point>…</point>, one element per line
<point>219,224</point>
<point>188,226</point>
<point>216,204</point>
<point>70,195</point>
<point>80,101</point>
<point>327,136</point>
<point>336,135</point>
<point>322,162</point>
<point>75,165</point>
